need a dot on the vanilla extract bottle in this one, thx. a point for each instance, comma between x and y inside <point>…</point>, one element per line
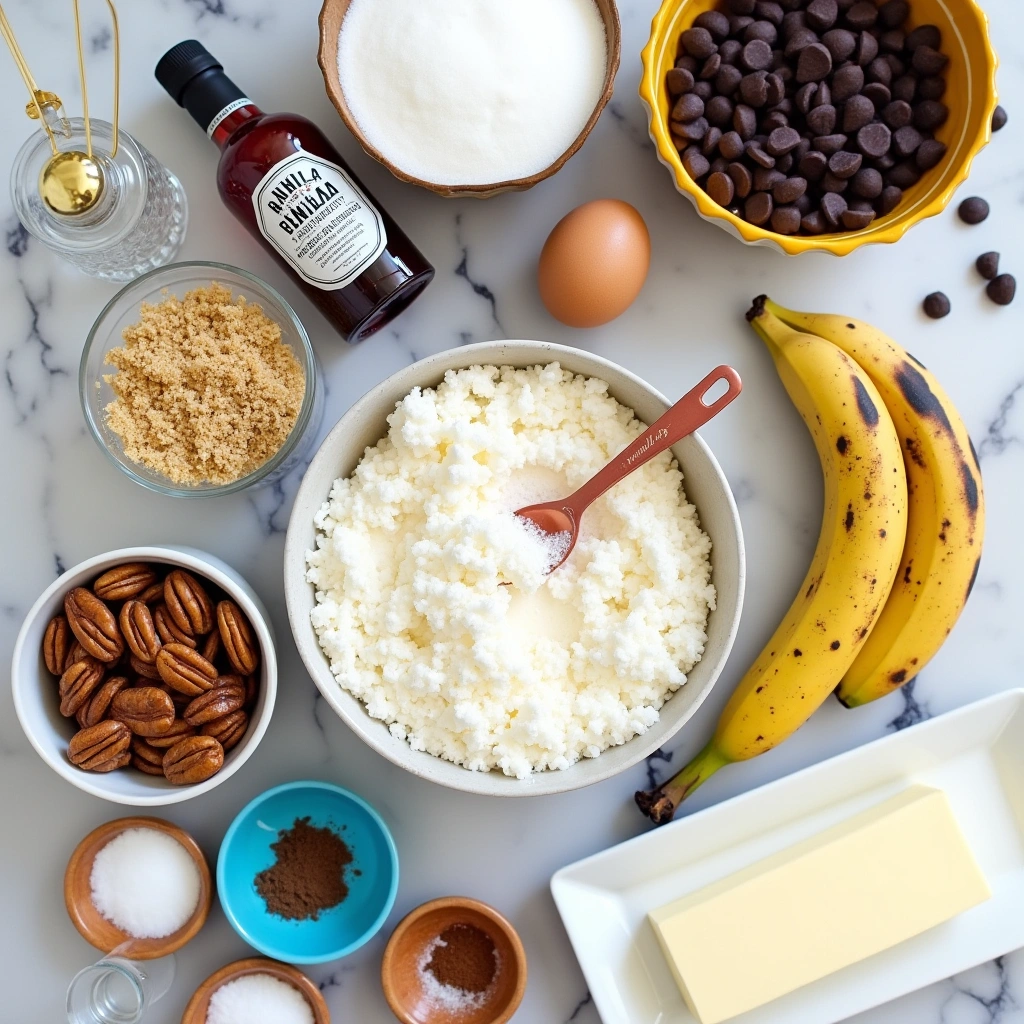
<point>282,178</point>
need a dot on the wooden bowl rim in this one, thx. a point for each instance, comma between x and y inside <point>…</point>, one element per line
<point>387,966</point>
<point>81,860</point>
<point>256,965</point>
<point>332,85</point>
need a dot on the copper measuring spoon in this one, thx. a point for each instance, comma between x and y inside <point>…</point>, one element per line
<point>689,413</point>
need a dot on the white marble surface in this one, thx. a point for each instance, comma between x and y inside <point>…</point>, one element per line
<point>62,500</point>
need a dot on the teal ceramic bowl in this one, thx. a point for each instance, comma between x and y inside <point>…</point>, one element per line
<point>372,877</point>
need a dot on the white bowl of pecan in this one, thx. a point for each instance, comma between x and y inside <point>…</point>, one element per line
<point>146,675</point>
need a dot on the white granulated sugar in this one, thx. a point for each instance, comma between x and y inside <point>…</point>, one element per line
<point>414,548</point>
<point>145,882</point>
<point>258,999</point>
<point>472,92</point>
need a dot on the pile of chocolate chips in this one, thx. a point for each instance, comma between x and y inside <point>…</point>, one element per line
<point>808,116</point>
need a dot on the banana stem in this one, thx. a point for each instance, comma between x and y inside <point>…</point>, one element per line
<point>660,804</point>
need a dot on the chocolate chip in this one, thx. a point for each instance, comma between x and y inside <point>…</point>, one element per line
<point>719,165</point>
<point>879,71</point>
<point>897,114</point>
<point>822,120</point>
<point>878,94</point>
<point>710,67</point>
<point>804,98</point>
<point>739,23</point>
<point>857,220</point>
<point>768,11</point>
<point>786,220</point>
<point>890,198</point>
<point>999,119</point>
<point>905,88</point>
<point>695,163</point>
<point>742,179</point>
<point>833,206</point>
<point>885,163</point>
<point>776,89</point>
<point>936,305</point>
<point>721,188</point>
<point>1002,290</point>
<point>867,182</point>
<point>973,210</point>
<point>697,42</point>
<point>905,140</point>
<point>829,144</point>
<point>715,22</point>
<point>873,140</point>
<point>928,61</point>
<point>813,64</point>
<point>924,35</point>
<point>846,82</point>
<point>688,108</point>
<point>813,165</point>
<point>859,111</point>
<point>761,31</point>
<point>766,178</point>
<point>814,223</point>
<point>800,40</point>
<point>759,156</point>
<point>930,114</point>
<point>792,22</point>
<point>678,81</point>
<point>862,15</point>
<point>754,88</point>
<point>789,190</point>
<point>822,14</point>
<point>867,49</point>
<point>710,141</point>
<point>840,42</point>
<point>719,111</point>
<point>744,121</point>
<point>931,88</point>
<point>893,13</point>
<point>757,56</point>
<point>741,6</point>
<point>785,162</point>
<point>903,175</point>
<point>705,90</point>
<point>782,140</point>
<point>693,131</point>
<point>687,63</point>
<point>929,154</point>
<point>832,183</point>
<point>844,164</point>
<point>758,208</point>
<point>728,79</point>
<point>731,146</point>
<point>892,41</point>
<point>988,265</point>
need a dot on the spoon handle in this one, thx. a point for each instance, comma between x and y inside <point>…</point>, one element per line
<point>689,413</point>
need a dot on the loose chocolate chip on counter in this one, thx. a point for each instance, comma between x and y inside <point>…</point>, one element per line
<point>721,188</point>
<point>936,305</point>
<point>929,154</point>
<point>758,208</point>
<point>988,265</point>
<point>999,118</point>
<point>973,210</point>
<point>1002,290</point>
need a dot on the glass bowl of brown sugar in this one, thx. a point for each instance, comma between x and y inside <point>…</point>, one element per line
<point>198,379</point>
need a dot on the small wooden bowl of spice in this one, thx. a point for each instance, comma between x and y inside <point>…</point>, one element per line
<point>257,989</point>
<point>139,885</point>
<point>454,960</point>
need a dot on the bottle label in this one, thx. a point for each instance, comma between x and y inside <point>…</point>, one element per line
<point>319,220</point>
<point>242,101</point>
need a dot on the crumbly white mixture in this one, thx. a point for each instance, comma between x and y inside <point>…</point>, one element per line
<point>413,549</point>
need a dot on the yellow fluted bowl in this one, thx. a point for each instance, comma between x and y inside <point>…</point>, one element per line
<point>970,96</point>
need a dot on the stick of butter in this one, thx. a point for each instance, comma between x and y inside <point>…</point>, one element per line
<point>856,889</point>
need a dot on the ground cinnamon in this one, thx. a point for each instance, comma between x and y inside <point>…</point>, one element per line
<point>464,959</point>
<point>309,873</point>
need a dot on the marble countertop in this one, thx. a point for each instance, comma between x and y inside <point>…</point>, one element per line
<point>63,501</point>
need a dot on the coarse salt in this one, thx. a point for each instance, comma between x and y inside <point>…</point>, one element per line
<point>258,999</point>
<point>472,92</point>
<point>145,882</point>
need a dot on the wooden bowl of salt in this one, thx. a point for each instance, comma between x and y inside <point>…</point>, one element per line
<point>331,17</point>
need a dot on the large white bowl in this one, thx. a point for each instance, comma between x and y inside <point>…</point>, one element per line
<point>366,422</point>
<point>35,691</point>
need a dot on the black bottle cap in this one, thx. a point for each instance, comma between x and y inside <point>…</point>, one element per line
<point>195,79</point>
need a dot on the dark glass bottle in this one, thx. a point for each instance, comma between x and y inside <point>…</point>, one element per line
<point>282,178</point>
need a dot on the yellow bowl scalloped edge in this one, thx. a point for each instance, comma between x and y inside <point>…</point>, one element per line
<point>979,63</point>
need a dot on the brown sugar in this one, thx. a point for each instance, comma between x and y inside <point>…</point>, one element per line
<point>464,959</point>
<point>205,390</point>
<point>309,873</point>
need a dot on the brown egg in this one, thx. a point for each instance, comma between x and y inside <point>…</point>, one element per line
<point>594,263</point>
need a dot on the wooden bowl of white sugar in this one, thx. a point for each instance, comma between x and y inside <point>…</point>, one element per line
<point>470,99</point>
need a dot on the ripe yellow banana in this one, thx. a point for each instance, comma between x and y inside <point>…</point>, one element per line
<point>854,564</point>
<point>945,517</point>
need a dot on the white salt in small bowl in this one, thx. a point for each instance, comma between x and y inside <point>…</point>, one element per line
<point>104,934</point>
<point>199,1004</point>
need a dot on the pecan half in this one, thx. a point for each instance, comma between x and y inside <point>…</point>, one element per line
<point>218,702</point>
<point>124,581</point>
<point>195,759</point>
<point>99,703</point>
<point>76,653</point>
<point>229,730</point>
<point>139,630</point>
<point>146,757</point>
<point>94,625</point>
<point>146,669</point>
<point>146,710</point>
<point>185,670</point>
<point>101,748</point>
<point>153,593</point>
<point>236,633</point>
<point>211,645</point>
<point>78,683</point>
<point>177,732</point>
<point>57,642</point>
<point>167,630</point>
<point>187,603</point>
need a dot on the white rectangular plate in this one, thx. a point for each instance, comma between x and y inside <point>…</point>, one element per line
<point>975,754</point>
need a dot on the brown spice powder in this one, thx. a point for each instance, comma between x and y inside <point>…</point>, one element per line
<point>205,390</point>
<point>464,959</point>
<point>309,874</point>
